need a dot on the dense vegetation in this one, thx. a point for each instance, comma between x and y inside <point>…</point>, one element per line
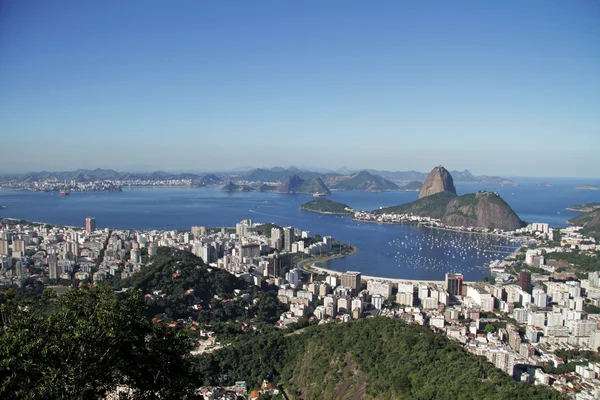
<point>86,343</point>
<point>431,206</point>
<point>575,261</point>
<point>326,206</point>
<point>371,358</point>
<point>185,281</point>
<point>590,221</point>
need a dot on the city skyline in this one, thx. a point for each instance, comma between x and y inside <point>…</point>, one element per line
<point>507,88</point>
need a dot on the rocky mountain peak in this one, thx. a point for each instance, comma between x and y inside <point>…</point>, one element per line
<point>439,180</point>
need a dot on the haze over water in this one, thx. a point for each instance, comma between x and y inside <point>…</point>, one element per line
<point>394,251</point>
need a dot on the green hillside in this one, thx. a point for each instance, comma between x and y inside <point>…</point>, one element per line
<point>590,221</point>
<point>585,207</point>
<point>326,206</point>
<point>185,280</point>
<point>433,206</point>
<point>374,358</point>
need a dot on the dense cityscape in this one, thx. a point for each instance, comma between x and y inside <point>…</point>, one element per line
<point>523,322</point>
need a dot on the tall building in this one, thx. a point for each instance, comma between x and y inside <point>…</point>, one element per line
<point>198,231</point>
<point>328,242</point>
<point>351,280</point>
<point>593,277</point>
<point>381,288</point>
<point>53,270</point>
<point>90,224</point>
<point>525,281</point>
<point>277,239</point>
<point>3,247</point>
<point>288,238</point>
<point>136,256</point>
<point>540,298</point>
<point>454,283</point>
<point>293,277</point>
<point>280,264</point>
<point>18,245</point>
<point>251,250</point>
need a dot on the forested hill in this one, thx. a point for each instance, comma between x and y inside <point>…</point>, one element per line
<point>187,288</point>
<point>175,271</point>
<point>374,358</point>
<point>88,342</point>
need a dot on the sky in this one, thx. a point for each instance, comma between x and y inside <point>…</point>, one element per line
<point>499,87</point>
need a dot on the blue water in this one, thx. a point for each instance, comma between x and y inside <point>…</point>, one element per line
<point>395,251</point>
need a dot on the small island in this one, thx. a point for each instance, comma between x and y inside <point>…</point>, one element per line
<point>232,187</point>
<point>544,184</point>
<point>3,207</point>
<point>325,206</point>
<point>588,187</point>
<point>586,207</point>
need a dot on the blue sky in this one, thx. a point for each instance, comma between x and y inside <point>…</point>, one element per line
<point>499,87</point>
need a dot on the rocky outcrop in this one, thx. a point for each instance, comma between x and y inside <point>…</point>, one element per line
<point>439,180</point>
<point>484,210</point>
<point>295,184</point>
<point>481,210</point>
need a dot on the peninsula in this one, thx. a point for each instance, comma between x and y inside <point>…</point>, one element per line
<point>585,207</point>
<point>325,206</point>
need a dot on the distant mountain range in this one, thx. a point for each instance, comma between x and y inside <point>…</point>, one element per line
<point>344,179</point>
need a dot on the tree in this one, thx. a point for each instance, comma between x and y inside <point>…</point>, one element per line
<point>489,328</point>
<point>87,343</point>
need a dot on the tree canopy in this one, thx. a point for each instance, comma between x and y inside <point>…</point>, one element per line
<point>85,344</point>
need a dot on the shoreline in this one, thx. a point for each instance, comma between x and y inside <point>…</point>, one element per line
<point>443,228</point>
<point>318,269</point>
<point>326,212</point>
<point>323,259</point>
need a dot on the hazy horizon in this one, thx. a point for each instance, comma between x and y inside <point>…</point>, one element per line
<point>340,170</point>
<point>506,88</point>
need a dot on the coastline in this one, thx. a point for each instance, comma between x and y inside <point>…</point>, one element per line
<point>437,227</point>
<point>327,212</point>
<point>314,268</point>
<point>312,262</point>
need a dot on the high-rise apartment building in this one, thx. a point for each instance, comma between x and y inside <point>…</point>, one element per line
<point>3,247</point>
<point>280,264</point>
<point>53,270</point>
<point>288,238</point>
<point>351,280</point>
<point>454,283</point>
<point>277,239</point>
<point>525,281</point>
<point>136,256</point>
<point>90,224</point>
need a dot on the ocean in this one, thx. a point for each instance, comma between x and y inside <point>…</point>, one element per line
<point>394,251</point>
